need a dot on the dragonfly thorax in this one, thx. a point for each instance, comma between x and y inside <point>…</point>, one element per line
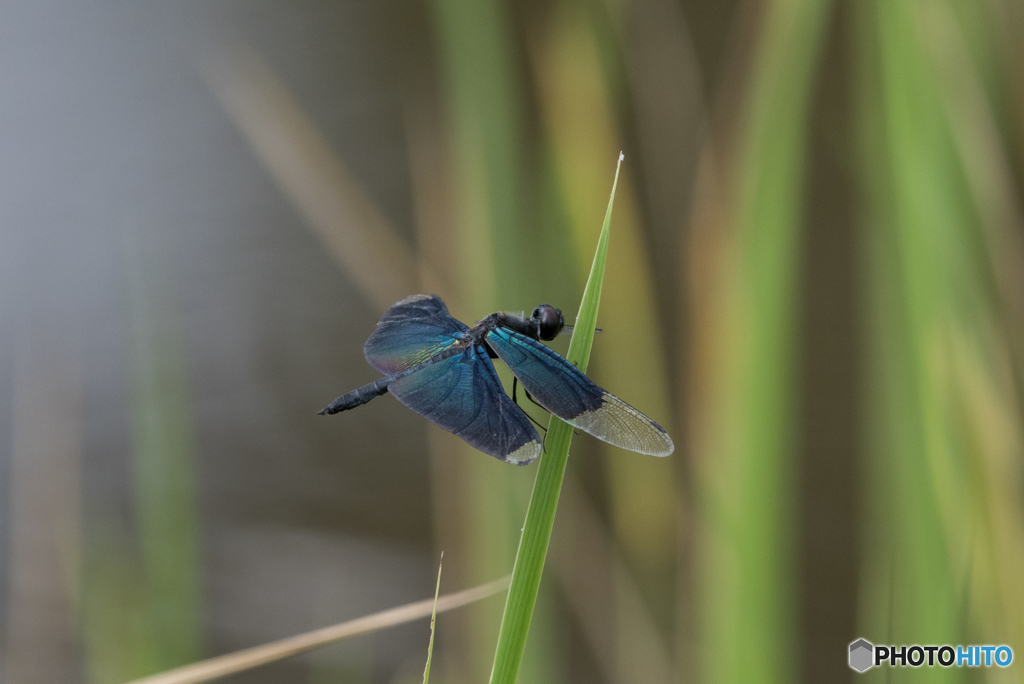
<point>544,324</point>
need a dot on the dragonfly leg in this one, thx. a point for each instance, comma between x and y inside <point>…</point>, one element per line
<point>530,397</point>
<point>533,420</point>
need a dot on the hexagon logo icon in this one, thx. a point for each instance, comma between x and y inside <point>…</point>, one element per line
<point>861,655</point>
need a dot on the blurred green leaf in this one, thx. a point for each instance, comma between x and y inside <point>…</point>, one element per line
<point>748,587</point>
<point>943,524</point>
<point>164,461</point>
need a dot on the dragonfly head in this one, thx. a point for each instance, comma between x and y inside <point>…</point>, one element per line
<point>547,321</point>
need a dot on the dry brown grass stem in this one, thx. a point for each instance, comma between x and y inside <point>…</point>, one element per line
<point>231,663</point>
<point>310,174</point>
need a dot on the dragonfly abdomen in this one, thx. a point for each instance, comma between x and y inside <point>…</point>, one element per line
<point>357,397</point>
<point>361,395</point>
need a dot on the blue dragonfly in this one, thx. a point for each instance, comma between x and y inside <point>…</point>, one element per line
<point>441,368</point>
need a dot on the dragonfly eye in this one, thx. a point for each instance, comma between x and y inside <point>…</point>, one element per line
<point>549,321</point>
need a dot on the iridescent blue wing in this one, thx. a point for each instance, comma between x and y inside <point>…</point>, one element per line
<point>562,389</point>
<point>463,395</point>
<point>411,332</point>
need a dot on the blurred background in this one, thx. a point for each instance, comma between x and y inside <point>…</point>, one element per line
<point>815,282</point>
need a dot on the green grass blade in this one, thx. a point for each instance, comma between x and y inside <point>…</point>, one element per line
<point>433,619</point>
<point>540,517</point>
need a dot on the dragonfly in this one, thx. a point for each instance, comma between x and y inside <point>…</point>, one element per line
<point>441,368</point>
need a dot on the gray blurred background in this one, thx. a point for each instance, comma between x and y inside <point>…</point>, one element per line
<point>171,327</point>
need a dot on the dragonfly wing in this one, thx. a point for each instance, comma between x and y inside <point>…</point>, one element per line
<point>562,389</point>
<point>412,331</point>
<point>463,395</point>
